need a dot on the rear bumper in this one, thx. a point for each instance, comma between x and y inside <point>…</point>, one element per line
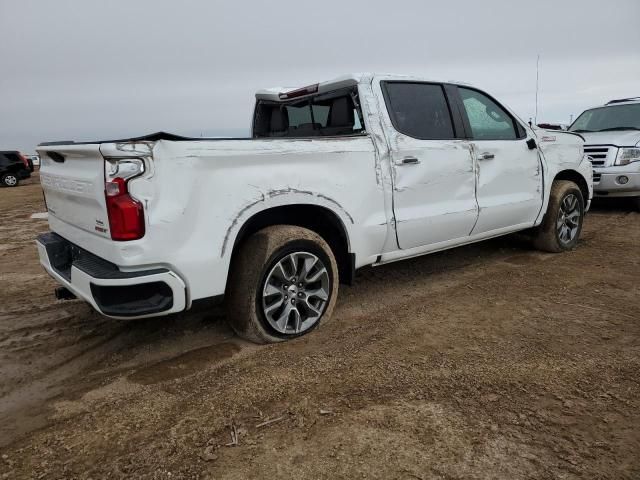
<point>112,292</point>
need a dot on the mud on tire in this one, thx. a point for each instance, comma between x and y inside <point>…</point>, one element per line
<point>252,267</point>
<point>550,236</point>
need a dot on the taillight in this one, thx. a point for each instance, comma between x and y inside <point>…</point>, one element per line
<point>25,161</point>
<point>126,214</point>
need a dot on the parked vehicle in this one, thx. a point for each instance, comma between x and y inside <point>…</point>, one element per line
<point>34,159</point>
<point>362,170</point>
<point>612,135</point>
<point>13,167</point>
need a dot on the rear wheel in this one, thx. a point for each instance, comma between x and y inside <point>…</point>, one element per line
<point>562,224</point>
<point>9,180</point>
<point>283,283</point>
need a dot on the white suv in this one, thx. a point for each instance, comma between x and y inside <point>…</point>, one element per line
<point>612,140</point>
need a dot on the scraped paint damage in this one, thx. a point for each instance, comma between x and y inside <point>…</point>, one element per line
<point>277,193</point>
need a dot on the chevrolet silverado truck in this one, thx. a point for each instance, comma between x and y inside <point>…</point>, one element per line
<point>362,170</point>
<point>612,136</point>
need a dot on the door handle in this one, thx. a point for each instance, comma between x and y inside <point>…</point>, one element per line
<point>410,161</point>
<point>486,156</point>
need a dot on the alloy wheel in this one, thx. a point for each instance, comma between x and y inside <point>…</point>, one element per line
<point>568,222</point>
<point>10,180</point>
<point>295,293</point>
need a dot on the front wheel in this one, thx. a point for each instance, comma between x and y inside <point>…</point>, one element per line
<point>562,224</point>
<point>9,180</point>
<point>283,282</point>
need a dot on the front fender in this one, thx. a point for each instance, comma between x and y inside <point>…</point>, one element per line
<point>563,157</point>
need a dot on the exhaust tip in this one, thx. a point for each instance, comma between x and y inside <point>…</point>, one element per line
<point>63,293</point>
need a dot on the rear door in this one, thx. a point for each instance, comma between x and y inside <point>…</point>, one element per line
<point>509,181</point>
<point>72,177</point>
<point>434,176</point>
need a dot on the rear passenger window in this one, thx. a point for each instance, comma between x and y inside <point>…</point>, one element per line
<point>304,115</point>
<point>419,110</point>
<point>488,120</point>
<point>298,115</point>
<point>321,114</point>
<point>330,114</point>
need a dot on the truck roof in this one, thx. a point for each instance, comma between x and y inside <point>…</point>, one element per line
<point>616,102</point>
<point>623,101</point>
<point>279,94</point>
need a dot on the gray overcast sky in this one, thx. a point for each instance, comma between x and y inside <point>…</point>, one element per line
<point>89,69</point>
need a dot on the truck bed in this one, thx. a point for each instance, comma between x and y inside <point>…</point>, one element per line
<point>151,137</point>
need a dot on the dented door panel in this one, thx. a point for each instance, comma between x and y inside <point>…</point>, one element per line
<point>509,190</point>
<point>433,183</point>
<point>434,200</point>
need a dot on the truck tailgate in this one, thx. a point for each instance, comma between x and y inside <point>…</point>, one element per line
<point>72,178</point>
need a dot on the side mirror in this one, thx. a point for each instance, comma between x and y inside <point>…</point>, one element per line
<point>531,143</point>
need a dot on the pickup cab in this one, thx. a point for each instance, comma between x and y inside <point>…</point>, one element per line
<point>612,136</point>
<point>362,170</point>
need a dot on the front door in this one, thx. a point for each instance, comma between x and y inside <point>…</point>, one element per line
<point>509,188</point>
<point>434,175</point>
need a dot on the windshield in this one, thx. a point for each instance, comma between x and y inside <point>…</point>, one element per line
<point>614,117</point>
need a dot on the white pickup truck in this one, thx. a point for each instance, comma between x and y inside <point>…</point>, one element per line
<point>361,170</point>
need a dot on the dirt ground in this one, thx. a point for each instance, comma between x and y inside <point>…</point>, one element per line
<point>488,361</point>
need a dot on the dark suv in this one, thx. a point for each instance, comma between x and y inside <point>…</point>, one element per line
<point>14,167</point>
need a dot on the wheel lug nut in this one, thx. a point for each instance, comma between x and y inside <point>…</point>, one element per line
<point>293,300</point>
<point>300,284</point>
<point>300,294</point>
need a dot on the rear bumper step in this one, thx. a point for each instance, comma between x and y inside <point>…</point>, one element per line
<point>114,293</point>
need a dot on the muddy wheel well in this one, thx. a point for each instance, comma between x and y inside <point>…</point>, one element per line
<point>576,178</point>
<point>319,219</point>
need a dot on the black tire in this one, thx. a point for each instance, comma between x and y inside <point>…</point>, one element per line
<point>636,203</point>
<point>250,270</point>
<point>9,180</point>
<point>547,236</point>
